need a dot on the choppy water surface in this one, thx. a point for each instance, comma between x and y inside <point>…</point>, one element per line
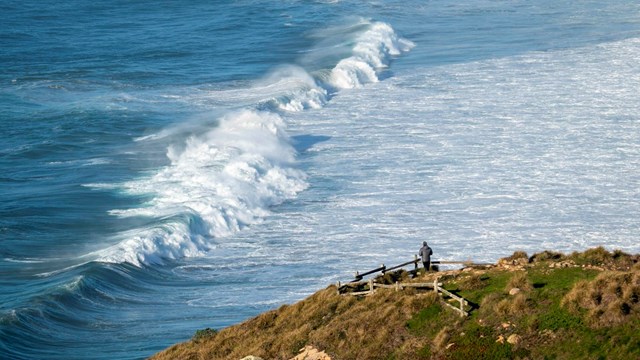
<point>166,168</point>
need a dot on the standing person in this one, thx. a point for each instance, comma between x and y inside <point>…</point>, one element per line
<point>425,253</point>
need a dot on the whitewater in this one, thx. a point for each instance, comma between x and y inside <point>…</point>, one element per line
<point>227,178</point>
<point>158,182</point>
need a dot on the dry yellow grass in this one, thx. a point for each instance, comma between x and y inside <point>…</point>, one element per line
<point>519,280</point>
<point>343,326</point>
<point>517,256</point>
<point>610,299</point>
<point>412,324</point>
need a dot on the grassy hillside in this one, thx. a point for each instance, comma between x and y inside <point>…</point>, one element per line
<point>547,306</point>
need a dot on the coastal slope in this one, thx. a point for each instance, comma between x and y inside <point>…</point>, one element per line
<point>548,305</point>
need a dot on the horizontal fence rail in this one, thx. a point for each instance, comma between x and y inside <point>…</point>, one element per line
<point>383,269</point>
<point>369,287</point>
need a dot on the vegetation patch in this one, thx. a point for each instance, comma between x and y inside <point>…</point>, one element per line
<point>423,322</point>
<point>613,298</point>
<point>204,334</point>
<point>547,306</point>
<point>617,260</point>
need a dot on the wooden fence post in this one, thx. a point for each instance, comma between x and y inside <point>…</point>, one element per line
<point>370,286</point>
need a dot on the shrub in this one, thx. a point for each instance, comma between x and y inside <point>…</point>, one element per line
<point>204,334</point>
<point>519,280</point>
<point>595,256</point>
<point>547,255</point>
<point>617,260</point>
<point>513,306</point>
<point>392,277</point>
<point>518,255</point>
<point>610,299</point>
<point>489,305</point>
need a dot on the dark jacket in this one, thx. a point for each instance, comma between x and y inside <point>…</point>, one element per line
<point>425,252</point>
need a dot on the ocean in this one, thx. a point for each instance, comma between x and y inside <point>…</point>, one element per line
<point>171,166</point>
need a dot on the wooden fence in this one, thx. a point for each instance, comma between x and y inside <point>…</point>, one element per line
<point>383,269</point>
<point>371,286</point>
<point>398,286</point>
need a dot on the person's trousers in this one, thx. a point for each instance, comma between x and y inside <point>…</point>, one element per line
<point>427,265</point>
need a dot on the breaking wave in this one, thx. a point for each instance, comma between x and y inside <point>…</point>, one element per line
<point>228,176</point>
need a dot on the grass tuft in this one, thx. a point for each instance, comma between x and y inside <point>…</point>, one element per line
<point>518,257</point>
<point>610,299</point>
<point>204,334</point>
<point>393,277</point>
<point>474,282</point>
<point>547,256</point>
<point>519,280</point>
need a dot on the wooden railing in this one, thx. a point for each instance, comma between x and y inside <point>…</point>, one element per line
<point>398,286</point>
<point>359,276</point>
<point>371,286</point>
<point>462,301</point>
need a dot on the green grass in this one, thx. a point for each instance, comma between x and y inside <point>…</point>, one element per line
<point>493,282</point>
<point>543,314</point>
<point>479,342</point>
<point>556,318</point>
<point>422,323</point>
<point>559,279</point>
<point>550,285</point>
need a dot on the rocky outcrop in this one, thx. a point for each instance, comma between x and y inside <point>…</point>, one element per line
<point>311,353</point>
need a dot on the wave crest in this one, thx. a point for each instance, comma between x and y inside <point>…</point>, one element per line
<point>373,51</point>
<point>225,178</point>
<point>218,183</point>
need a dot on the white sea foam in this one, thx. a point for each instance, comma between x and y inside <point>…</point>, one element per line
<point>100,186</point>
<point>292,88</point>
<point>372,52</point>
<point>82,162</point>
<point>530,152</point>
<point>224,178</point>
<point>217,183</point>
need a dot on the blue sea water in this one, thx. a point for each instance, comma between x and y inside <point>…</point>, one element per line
<point>167,167</point>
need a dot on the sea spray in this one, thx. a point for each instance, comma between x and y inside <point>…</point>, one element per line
<point>372,53</point>
<point>221,180</point>
<point>218,183</point>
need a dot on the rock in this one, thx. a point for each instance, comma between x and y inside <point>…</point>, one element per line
<point>521,261</point>
<point>251,357</point>
<point>311,353</point>
<point>514,291</point>
<point>514,339</point>
<point>548,333</point>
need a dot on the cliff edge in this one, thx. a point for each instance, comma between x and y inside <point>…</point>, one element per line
<point>549,305</point>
